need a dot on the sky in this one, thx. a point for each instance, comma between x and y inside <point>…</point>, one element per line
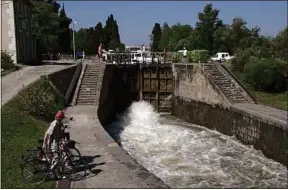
<point>136,18</point>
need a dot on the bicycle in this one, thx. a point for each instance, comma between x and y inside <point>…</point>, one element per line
<point>36,164</point>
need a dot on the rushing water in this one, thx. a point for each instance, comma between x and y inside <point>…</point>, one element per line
<point>184,155</point>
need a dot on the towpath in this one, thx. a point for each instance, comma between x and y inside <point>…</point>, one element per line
<point>275,113</point>
<point>14,82</point>
<point>109,165</point>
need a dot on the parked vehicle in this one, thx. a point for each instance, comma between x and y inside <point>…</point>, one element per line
<point>143,57</point>
<point>221,57</point>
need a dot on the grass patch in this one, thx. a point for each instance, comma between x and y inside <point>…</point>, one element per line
<point>21,126</point>
<point>276,100</point>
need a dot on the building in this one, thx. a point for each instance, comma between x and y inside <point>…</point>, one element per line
<point>16,33</point>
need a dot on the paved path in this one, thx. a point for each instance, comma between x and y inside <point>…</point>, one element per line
<point>110,166</point>
<point>278,114</point>
<point>14,82</point>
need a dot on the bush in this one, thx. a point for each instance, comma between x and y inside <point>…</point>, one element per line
<point>198,56</point>
<point>268,75</point>
<point>176,57</point>
<point>6,60</point>
<point>242,57</point>
<point>40,99</point>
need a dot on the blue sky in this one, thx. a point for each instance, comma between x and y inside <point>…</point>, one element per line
<point>137,18</point>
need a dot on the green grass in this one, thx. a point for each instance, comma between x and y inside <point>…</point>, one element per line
<point>276,100</point>
<point>20,130</point>
<point>18,133</point>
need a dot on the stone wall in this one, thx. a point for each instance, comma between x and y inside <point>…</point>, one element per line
<point>268,136</point>
<point>190,81</point>
<point>62,79</point>
<point>116,93</point>
<point>198,101</point>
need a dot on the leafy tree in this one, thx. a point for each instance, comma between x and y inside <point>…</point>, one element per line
<point>207,25</point>
<point>165,37</point>
<point>156,37</point>
<point>280,44</point>
<point>80,39</point>
<point>99,34</point>
<point>179,32</point>
<point>44,25</point>
<point>64,38</point>
<point>111,34</point>
<point>88,39</point>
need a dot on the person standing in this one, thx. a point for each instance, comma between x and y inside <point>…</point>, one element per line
<point>100,52</point>
<point>185,55</point>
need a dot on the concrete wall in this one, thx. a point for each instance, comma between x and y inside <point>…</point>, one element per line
<point>16,32</point>
<point>62,80</point>
<point>8,39</point>
<point>116,93</point>
<point>198,102</point>
<point>190,81</point>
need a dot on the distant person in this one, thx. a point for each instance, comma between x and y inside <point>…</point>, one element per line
<point>185,55</point>
<point>100,52</point>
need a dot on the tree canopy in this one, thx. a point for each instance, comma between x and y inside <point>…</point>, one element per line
<point>88,39</point>
<point>210,33</point>
<point>49,26</point>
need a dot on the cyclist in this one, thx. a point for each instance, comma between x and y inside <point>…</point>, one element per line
<point>53,136</point>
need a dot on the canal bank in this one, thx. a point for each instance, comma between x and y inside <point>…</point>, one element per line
<point>109,166</point>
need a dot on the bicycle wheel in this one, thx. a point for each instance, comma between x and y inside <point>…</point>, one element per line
<point>74,166</point>
<point>34,170</point>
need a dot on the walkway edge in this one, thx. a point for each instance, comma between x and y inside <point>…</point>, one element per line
<point>73,103</point>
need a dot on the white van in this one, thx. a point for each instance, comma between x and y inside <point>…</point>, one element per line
<point>222,56</point>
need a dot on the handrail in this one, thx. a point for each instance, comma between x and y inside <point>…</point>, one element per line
<point>240,83</point>
<point>74,100</point>
<point>73,82</point>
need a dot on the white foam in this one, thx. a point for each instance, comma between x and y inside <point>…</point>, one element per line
<point>195,157</point>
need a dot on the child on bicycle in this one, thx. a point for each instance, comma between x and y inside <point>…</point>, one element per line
<point>53,136</point>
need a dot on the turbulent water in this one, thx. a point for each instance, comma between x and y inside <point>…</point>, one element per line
<point>189,156</point>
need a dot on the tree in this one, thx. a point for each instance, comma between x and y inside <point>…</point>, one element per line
<point>99,34</point>
<point>156,37</point>
<point>44,25</point>
<point>80,39</point>
<point>88,39</point>
<point>64,38</point>
<point>239,33</point>
<point>112,37</point>
<point>165,37</point>
<point>280,44</point>
<point>179,37</point>
<point>207,25</point>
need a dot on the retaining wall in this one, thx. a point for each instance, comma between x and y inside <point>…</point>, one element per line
<point>65,80</point>
<point>116,92</point>
<point>197,101</point>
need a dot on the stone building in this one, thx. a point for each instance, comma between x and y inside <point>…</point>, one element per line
<point>16,37</point>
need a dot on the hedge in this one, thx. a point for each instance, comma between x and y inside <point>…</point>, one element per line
<point>268,75</point>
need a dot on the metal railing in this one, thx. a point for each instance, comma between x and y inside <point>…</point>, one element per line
<point>134,58</point>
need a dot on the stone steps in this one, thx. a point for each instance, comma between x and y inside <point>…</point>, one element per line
<point>224,83</point>
<point>88,89</point>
